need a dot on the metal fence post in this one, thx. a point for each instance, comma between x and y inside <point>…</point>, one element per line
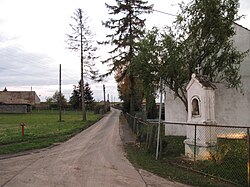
<point>248,166</point>
<point>195,131</point>
<point>147,140</point>
<point>137,127</point>
<point>134,124</point>
<point>159,123</point>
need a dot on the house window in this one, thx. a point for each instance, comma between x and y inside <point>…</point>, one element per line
<point>195,107</point>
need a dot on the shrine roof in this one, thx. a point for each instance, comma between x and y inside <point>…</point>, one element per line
<point>204,81</point>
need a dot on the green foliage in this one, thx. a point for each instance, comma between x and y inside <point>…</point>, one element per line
<point>151,106</point>
<point>173,146</point>
<point>227,150</point>
<point>42,129</point>
<point>219,153</point>
<point>146,66</point>
<point>101,108</point>
<point>127,28</point>
<point>55,100</point>
<point>124,89</point>
<point>76,97</point>
<point>202,35</point>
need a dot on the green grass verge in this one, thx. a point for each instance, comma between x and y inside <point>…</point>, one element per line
<point>229,161</point>
<point>42,129</point>
<point>229,158</point>
<point>145,160</point>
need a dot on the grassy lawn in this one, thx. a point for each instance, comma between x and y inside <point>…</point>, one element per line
<point>145,160</point>
<point>230,161</point>
<point>42,129</point>
<point>229,158</point>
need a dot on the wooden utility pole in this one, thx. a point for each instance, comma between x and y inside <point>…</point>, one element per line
<point>104,97</point>
<point>104,94</point>
<point>60,93</point>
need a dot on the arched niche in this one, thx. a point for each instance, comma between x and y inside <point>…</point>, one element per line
<point>195,101</point>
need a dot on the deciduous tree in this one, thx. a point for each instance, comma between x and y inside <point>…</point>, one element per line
<point>147,66</point>
<point>56,99</point>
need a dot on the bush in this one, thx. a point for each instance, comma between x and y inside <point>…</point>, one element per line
<point>91,106</point>
<point>101,108</point>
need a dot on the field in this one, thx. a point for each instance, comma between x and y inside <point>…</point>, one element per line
<point>42,129</point>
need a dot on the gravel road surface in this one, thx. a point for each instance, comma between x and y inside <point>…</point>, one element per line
<point>93,158</point>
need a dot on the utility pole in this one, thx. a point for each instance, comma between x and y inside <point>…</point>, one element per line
<point>104,98</point>
<point>60,93</point>
<point>159,124</point>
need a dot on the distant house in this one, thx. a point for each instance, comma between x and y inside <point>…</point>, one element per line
<point>18,101</point>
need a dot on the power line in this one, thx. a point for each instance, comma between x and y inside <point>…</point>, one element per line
<point>164,13</point>
<point>70,74</point>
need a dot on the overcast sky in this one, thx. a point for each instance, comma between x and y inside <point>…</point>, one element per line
<point>32,42</point>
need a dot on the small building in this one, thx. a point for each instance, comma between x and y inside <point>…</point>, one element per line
<point>18,101</point>
<point>201,109</point>
<point>15,108</point>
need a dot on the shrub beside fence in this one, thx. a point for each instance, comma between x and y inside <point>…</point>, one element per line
<point>224,152</point>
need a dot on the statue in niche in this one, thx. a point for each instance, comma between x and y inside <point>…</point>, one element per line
<point>195,107</point>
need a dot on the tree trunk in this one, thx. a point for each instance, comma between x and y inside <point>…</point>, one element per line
<point>82,95</point>
<point>131,77</point>
<point>151,106</point>
<point>84,118</point>
<point>132,95</point>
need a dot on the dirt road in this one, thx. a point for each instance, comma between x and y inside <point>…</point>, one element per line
<point>93,158</point>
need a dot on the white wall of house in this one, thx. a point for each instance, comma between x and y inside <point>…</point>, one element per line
<point>175,112</point>
<point>232,107</point>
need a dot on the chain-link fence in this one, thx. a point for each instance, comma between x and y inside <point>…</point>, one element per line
<point>216,150</point>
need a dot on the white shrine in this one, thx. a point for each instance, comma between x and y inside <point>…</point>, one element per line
<point>201,103</point>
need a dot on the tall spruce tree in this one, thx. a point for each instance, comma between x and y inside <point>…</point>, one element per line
<point>88,95</point>
<point>75,98</point>
<point>80,40</point>
<point>127,28</point>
